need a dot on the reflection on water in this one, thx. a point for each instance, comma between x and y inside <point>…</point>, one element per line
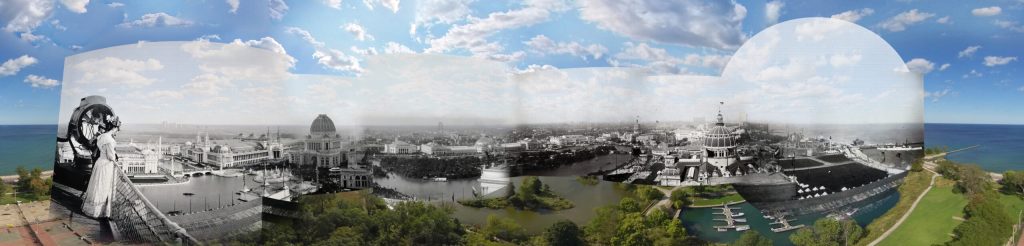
<point>599,163</point>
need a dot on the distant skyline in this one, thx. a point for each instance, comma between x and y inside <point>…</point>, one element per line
<point>968,51</point>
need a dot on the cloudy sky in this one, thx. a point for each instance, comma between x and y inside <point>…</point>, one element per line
<point>967,52</point>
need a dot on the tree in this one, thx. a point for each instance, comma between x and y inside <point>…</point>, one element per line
<point>505,229</point>
<point>680,198</point>
<point>23,177</point>
<point>917,166</point>
<point>752,238</point>
<point>603,226</point>
<point>4,189</point>
<point>631,231</point>
<point>827,231</point>
<point>629,205</point>
<point>1013,181</point>
<point>564,232</point>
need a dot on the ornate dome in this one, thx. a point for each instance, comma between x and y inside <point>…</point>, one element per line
<point>322,125</point>
<point>719,137</point>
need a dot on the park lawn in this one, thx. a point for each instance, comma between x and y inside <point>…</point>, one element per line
<point>932,221</point>
<point>913,185</point>
<point>23,197</point>
<point>734,197</point>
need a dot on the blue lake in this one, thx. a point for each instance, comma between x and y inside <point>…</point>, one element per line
<point>31,146</point>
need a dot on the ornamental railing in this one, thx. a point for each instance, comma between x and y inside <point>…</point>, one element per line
<point>133,219</point>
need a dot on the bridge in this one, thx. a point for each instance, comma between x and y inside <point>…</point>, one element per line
<point>944,154</point>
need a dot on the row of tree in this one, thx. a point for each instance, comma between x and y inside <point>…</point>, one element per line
<point>427,167</point>
<point>30,183</point>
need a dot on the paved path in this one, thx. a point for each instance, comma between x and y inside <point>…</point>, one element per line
<point>909,211</point>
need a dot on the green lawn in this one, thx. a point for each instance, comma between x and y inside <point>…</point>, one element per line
<point>734,197</point>
<point>932,221</point>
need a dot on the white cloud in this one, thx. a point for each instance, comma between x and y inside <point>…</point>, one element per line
<point>165,94</point>
<point>900,22</point>
<point>969,51</point>
<point>440,11</point>
<point>920,65</point>
<point>987,11</point>
<point>277,9</point>
<point>12,66</point>
<point>116,71</point>
<point>396,48</point>
<point>544,45</point>
<point>817,29</point>
<point>159,19</point>
<point>234,6</point>
<point>943,20</point>
<point>936,95</point>
<point>854,15</point>
<point>944,67</point>
<point>77,6</point>
<point>364,52</point>
<point>772,10</point>
<point>1010,25</point>
<point>973,73</point>
<point>115,4</point>
<point>661,61</point>
<point>327,57</point>
<point>714,24</point>
<point>40,81</point>
<point>993,61</point>
<point>389,4</point>
<point>24,15</point>
<point>473,35</point>
<point>841,60</point>
<point>335,4</point>
<point>358,31</point>
<point>29,37</point>
<point>222,64</point>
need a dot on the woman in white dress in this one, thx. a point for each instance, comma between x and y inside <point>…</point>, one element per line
<point>99,194</point>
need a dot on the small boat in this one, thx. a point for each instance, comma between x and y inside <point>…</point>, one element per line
<point>742,228</point>
<point>440,179</point>
<point>737,214</point>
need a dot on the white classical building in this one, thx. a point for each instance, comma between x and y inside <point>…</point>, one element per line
<point>400,147</point>
<point>135,160</point>
<point>720,146</point>
<point>322,147</point>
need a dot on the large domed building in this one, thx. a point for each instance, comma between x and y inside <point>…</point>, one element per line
<point>322,147</point>
<point>720,146</point>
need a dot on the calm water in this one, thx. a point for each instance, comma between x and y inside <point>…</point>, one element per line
<point>700,221</point>
<point>31,146</point>
<point>1002,146</point>
<point>209,192</point>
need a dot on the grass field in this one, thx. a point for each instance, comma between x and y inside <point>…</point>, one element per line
<point>912,186</point>
<point>933,220</point>
<point>734,197</point>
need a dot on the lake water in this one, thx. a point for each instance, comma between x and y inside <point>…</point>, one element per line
<point>208,191</point>
<point>1002,146</point>
<point>31,146</point>
<point>699,221</point>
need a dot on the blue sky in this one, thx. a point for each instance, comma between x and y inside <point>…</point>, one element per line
<point>980,41</point>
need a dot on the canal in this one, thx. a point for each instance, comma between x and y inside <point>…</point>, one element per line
<point>208,192</point>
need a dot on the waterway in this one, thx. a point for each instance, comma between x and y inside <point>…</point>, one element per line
<point>699,221</point>
<point>30,146</point>
<point>208,192</point>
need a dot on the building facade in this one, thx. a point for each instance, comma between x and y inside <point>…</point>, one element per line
<point>322,147</point>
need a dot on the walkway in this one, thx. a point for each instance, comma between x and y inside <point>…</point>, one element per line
<point>909,211</point>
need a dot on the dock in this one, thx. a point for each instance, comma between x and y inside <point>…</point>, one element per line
<point>781,220</point>
<point>730,220</point>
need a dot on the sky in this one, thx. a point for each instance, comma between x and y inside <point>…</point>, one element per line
<point>967,52</point>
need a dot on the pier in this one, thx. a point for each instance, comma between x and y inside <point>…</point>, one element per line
<point>781,220</point>
<point>730,220</point>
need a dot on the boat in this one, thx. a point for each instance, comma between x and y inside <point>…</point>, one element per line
<point>440,179</point>
<point>899,148</point>
<point>742,228</point>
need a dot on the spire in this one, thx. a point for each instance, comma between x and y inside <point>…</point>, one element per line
<point>721,122</point>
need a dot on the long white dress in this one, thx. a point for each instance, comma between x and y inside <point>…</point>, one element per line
<point>99,195</point>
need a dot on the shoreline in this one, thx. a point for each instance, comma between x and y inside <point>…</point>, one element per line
<point>14,177</point>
